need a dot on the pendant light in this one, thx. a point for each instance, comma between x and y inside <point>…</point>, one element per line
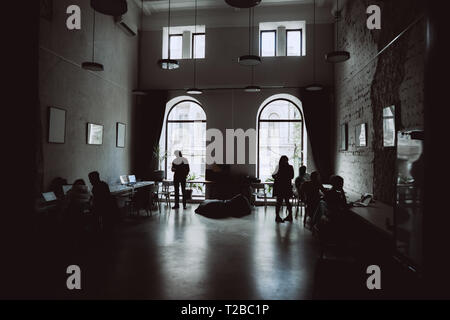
<point>92,65</point>
<point>243,4</point>
<point>252,87</point>
<point>113,8</point>
<point>168,64</point>
<point>139,92</point>
<point>337,56</point>
<point>314,86</point>
<point>249,60</point>
<point>194,90</point>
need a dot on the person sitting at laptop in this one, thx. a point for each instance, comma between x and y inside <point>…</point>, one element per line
<point>104,205</point>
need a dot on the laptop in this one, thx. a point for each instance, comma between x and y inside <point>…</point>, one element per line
<point>132,180</point>
<point>66,188</point>
<point>124,179</point>
<point>49,196</point>
<point>364,201</point>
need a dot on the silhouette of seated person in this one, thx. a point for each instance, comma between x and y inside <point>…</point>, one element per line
<point>302,177</point>
<point>330,216</point>
<point>78,200</point>
<point>103,204</point>
<point>311,193</point>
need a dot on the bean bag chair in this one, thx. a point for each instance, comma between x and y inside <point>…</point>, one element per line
<point>238,206</point>
<point>212,209</point>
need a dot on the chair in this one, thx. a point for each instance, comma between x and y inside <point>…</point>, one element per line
<point>298,204</point>
<point>154,196</point>
<point>260,192</point>
<point>165,191</point>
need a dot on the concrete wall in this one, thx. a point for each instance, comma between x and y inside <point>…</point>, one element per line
<point>364,86</point>
<point>104,97</point>
<point>220,67</point>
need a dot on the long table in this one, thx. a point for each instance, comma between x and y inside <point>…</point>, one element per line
<point>117,190</point>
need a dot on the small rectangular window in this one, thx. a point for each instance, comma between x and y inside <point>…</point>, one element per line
<point>389,126</point>
<point>293,42</point>
<point>268,43</point>
<point>198,46</point>
<point>176,46</point>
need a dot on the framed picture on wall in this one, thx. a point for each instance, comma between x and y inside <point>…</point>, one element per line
<point>361,135</point>
<point>56,125</point>
<point>120,135</point>
<point>94,134</point>
<point>344,137</point>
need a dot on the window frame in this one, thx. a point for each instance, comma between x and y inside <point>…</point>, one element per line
<point>180,122</point>
<point>274,42</point>
<point>393,117</point>
<point>170,37</point>
<point>301,120</point>
<point>193,43</point>
<point>301,41</point>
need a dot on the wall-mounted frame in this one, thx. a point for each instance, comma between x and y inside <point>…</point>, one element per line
<point>361,137</point>
<point>120,134</point>
<point>94,134</point>
<point>344,137</point>
<point>56,125</point>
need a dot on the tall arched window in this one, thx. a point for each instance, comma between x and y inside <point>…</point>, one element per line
<point>280,132</point>
<point>186,131</point>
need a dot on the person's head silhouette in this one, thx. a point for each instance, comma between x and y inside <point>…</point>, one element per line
<point>337,182</point>
<point>284,161</point>
<point>178,154</point>
<point>302,170</point>
<point>94,177</point>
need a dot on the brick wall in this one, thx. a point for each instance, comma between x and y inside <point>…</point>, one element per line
<point>365,85</point>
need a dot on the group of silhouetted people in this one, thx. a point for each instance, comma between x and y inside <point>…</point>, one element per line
<point>80,202</point>
<point>325,208</point>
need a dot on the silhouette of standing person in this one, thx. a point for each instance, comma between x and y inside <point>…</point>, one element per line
<point>180,167</point>
<point>103,203</point>
<point>282,187</point>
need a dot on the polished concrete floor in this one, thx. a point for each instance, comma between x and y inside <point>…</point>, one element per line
<point>177,254</point>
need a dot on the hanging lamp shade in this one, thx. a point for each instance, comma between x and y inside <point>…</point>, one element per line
<point>252,89</point>
<point>249,60</point>
<point>194,91</point>
<point>337,56</point>
<point>138,91</point>
<point>110,7</point>
<point>168,64</point>
<point>314,86</point>
<point>243,3</point>
<point>92,65</point>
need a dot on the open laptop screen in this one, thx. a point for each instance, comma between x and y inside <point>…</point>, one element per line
<point>49,196</point>
<point>123,179</point>
<point>132,179</point>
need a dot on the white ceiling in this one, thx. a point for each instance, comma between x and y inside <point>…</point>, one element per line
<point>155,6</point>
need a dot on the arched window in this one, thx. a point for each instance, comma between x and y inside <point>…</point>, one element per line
<point>280,132</point>
<point>186,131</point>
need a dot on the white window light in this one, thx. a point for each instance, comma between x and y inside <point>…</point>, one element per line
<point>290,38</point>
<point>191,39</point>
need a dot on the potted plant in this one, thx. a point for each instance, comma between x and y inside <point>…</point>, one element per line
<point>270,186</point>
<point>190,187</point>
<point>160,157</point>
